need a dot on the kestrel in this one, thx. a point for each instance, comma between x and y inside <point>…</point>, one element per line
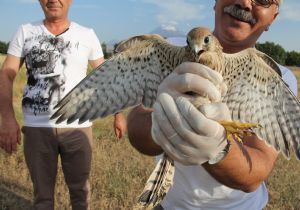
<point>255,93</point>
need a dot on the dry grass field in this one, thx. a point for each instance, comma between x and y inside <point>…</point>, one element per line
<point>119,172</point>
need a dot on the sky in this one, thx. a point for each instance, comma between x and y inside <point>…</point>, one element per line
<point>115,20</point>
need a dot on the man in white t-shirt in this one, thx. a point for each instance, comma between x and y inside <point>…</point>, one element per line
<point>56,52</point>
<point>230,183</point>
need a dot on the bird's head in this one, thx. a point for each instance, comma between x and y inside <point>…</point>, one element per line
<point>200,40</point>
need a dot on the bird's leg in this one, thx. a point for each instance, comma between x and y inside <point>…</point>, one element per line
<point>237,130</point>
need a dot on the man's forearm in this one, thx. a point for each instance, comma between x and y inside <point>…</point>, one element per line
<point>246,166</point>
<point>139,131</point>
<point>10,134</point>
<point>6,86</point>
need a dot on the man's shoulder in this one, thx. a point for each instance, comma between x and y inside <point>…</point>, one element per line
<point>82,28</point>
<point>32,24</point>
<point>27,29</point>
<point>289,77</point>
<point>287,73</point>
<point>284,70</point>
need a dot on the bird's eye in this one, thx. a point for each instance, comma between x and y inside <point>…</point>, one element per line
<point>206,40</point>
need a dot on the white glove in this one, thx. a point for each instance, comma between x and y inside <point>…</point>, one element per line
<point>184,133</point>
<point>193,77</point>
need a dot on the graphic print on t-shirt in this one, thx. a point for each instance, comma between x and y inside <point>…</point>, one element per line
<point>45,62</point>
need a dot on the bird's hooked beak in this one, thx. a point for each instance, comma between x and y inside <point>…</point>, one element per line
<point>197,51</point>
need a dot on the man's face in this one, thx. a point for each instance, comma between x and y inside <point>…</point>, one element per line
<point>55,9</point>
<point>230,28</point>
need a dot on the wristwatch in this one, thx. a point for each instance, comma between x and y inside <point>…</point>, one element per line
<point>221,155</point>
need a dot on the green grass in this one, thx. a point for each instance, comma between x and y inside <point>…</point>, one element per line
<point>119,172</point>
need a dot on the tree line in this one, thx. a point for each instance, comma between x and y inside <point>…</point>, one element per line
<point>3,47</point>
<point>278,53</point>
<point>275,51</point>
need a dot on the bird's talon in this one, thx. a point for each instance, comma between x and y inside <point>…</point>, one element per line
<point>237,130</point>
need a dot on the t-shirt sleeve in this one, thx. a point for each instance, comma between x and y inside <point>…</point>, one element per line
<point>290,79</point>
<point>96,49</point>
<point>16,46</point>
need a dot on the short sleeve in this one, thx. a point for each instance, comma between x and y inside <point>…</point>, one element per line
<point>16,46</point>
<point>96,49</point>
<point>290,79</point>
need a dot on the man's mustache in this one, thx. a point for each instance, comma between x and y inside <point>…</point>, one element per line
<point>53,5</point>
<point>240,14</point>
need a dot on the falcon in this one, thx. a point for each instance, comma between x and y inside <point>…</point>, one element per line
<point>256,95</point>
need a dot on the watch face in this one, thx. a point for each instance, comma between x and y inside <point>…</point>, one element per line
<point>219,157</point>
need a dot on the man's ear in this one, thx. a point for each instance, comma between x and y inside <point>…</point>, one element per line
<point>275,15</point>
<point>274,18</point>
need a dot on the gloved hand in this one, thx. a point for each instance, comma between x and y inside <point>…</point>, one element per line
<point>193,77</point>
<point>187,135</point>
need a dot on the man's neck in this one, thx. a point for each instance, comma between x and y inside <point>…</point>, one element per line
<point>233,47</point>
<point>57,26</point>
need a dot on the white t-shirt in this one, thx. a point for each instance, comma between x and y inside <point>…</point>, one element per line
<point>195,189</point>
<point>55,64</point>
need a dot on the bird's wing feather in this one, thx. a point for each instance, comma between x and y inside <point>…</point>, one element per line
<point>136,40</point>
<point>269,61</point>
<point>127,79</point>
<point>257,94</point>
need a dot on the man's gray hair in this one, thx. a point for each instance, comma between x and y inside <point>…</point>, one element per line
<point>278,1</point>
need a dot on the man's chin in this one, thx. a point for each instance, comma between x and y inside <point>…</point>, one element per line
<point>236,33</point>
<point>236,28</point>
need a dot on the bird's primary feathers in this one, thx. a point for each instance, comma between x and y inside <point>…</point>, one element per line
<point>255,91</point>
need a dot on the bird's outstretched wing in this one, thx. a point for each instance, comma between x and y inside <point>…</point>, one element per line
<point>257,94</point>
<point>127,79</point>
<point>136,40</point>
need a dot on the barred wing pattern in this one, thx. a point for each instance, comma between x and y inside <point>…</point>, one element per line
<point>127,79</point>
<point>257,94</point>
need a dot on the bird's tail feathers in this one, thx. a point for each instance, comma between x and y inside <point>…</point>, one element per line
<point>157,185</point>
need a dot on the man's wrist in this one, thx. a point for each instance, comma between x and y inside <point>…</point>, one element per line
<point>221,155</point>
